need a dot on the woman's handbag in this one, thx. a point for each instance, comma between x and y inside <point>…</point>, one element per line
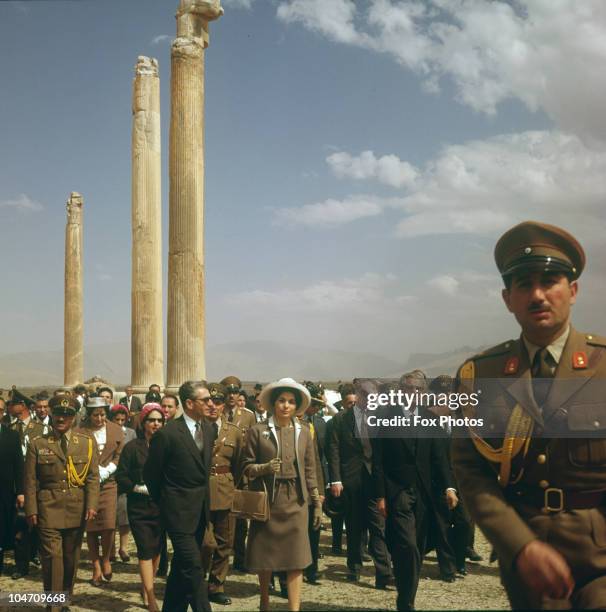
<point>253,505</point>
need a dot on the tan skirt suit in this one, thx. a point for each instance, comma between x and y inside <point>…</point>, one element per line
<point>108,498</point>
<point>281,543</point>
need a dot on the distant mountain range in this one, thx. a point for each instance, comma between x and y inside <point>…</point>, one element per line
<point>262,361</point>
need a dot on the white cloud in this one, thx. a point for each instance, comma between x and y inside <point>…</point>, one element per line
<point>364,294</point>
<point>161,38</point>
<point>22,203</point>
<point>446,284</point>
<point>388,169</point>
<point>332,212</point>
<point>547,53</point>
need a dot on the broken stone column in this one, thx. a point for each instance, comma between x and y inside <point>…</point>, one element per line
<point>147,356</point>
<point>73,342</point>
<point>185,321</point>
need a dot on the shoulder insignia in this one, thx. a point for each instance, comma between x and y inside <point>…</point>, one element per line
<point>496,351</point>
<point>512,366</point>
<point>579,360</point>
<point>594,340</point>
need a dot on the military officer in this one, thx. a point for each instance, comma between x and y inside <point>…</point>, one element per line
<point>536,484</point>
<point>244,419</point>
<point>224,475</point>
<point>61,493</point>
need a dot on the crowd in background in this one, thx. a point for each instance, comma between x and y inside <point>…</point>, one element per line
<point>314,457</point>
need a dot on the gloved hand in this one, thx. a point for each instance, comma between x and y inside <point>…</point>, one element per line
<point>262,469</point>
<point>141,489</point>
<point>317,509</point>
<point>104,473</point>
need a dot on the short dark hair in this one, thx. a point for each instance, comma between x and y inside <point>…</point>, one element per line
<point>171,395</point>
<point>153,385</point>
<point>275,393</point>
<point>188,390</point>
<point>153,397</point>
<point>101,389</point>
<point>347,389</point>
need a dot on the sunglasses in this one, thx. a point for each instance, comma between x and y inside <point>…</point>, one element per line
<point>154,420</point>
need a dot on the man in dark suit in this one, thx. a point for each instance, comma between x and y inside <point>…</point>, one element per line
<point>404,464</point>
<point>11,484</point>
<point>349,466</point>
<point>132,402</point>
<point>177,475</point>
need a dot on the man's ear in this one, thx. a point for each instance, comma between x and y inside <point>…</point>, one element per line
<point>506,297</point>
<point>574,289</point>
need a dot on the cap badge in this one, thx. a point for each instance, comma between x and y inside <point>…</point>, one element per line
<point>527,250</point>
<point>579,360</point>
<point>512,365</point>
<point>65,403</point>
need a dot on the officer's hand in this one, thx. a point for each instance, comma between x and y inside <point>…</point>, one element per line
<point>545,570</point>
<point>20,501</point>
<point>317,517</point>
<point>452,499</point>
<point>382,507</point>
<point>91,513</point>
<point>32,520</point>
<point>336,489</point>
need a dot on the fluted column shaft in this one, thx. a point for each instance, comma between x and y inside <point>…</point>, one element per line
<point>73,331</point>
<point>147,358</point>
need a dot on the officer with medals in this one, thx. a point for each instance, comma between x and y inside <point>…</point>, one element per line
<point>61,493</point>
<point>536,482</point>
<point>224,474</point>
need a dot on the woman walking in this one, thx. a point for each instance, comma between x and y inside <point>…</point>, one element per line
<point>279,456</point>
<point>143,512</point>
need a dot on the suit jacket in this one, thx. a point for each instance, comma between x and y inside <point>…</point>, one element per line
<point>320,428</point>
<point>11,464</point>
<point>261,446</point>
<point>345,452</point>
<point>568,462</point>
<point>135,403</point>
<point>177,473</point>
<point>407,461</point>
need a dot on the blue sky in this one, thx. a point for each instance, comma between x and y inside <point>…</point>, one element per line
<point>361,160</point>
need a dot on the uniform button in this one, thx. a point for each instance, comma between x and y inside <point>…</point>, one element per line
<point>543,484</point>
<point>63,490</point>
<point>596,423</point>
<point>541,459</point>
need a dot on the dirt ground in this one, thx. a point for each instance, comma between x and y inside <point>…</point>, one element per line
<point>480,590</point>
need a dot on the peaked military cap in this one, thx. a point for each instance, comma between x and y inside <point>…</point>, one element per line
<point>217,391</point>
<point>232,384</point>
<point>63,404</point>
<point>539,247</point>
<point>19,398</point>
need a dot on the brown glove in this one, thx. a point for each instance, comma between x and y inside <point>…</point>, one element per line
<point>263,469</point>
<point>317,509</point>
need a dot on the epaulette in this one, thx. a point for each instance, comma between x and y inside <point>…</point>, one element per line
<point>248,410</point>
<point>594,340</point>
<point>495,351</point>
<point>82,433</point>
<point>229,424</point>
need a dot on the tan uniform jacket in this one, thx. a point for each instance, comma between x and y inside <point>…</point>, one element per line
<point>32,430</point>
<point>47,491</point>
<point>572,463</point>
<point>226,454</point>
<point>243,418</point>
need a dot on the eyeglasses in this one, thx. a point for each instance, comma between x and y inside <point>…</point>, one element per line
<point>154,420</point>
<point>206,400</point>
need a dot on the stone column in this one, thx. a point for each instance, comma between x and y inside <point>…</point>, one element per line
<point>186,325</point>
<point>73,342</point>
<point>147,358</point>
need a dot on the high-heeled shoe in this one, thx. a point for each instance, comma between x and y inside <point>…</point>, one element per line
<point>124,556</point>
<point>98,582</point>
<point>108,577</point>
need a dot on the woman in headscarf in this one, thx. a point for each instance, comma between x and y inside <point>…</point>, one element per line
<point>279,456</point>
<point>100,531</point>
<point>143,512</point>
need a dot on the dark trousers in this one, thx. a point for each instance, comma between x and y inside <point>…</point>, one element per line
<point>185,584</point>
<point>401,535</point>
<point>361,514</point>
<point>461,533</point>
<point>163,563</point>
<point>336,524</point>
<point>239,537</point>
<point>311,570</point>
<point>435,525</point>
<point>24,541</point>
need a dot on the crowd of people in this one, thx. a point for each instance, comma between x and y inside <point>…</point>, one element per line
<point>167,467</point>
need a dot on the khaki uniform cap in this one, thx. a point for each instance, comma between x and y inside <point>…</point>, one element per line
<point>539,247</point>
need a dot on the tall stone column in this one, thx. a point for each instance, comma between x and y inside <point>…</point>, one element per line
<point>186,324</point>
<point>147,356</point>
<point>73,340</point>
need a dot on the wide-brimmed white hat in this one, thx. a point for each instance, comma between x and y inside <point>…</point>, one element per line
<point>285,383</point>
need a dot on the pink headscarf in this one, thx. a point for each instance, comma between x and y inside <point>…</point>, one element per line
<point>150,407</point>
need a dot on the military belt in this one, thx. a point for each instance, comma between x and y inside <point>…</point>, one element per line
<point>553,499</point>
<point>220,469</point>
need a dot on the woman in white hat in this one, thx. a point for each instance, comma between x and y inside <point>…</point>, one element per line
<point>280,453</point>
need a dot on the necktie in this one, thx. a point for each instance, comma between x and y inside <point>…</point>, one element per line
<point>216,430</point>
<point>198,437</point>
<point>64,445</point>
<point>541,376</point>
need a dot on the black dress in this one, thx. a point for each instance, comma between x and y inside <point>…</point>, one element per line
<point>143,512</point>
<point>11,482</point>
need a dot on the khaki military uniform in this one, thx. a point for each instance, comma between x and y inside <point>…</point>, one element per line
<point>59,502</point>
<point>27,432</point>
<point>224,475</point>
<point>551,489</point>
<point>242,418</point>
